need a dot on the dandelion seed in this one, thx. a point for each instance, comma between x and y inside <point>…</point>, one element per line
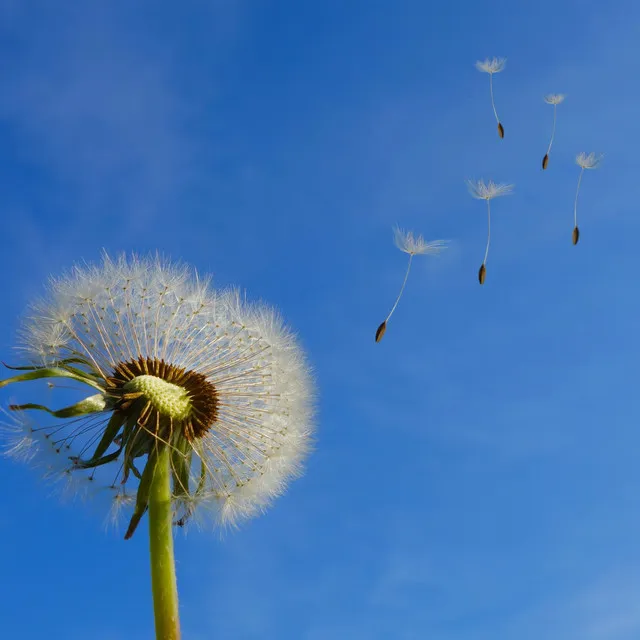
<point>584,161</point>
<point>555,99</point>
<point>575,235</point>
<point>198,401</point>
<point>407,242</point>
<point>491,66</point>
<point>488,192</point>
<point>589,160</point>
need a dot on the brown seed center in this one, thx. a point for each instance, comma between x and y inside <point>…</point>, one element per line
<point>202,395</point>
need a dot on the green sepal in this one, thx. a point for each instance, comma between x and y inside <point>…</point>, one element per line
<point>203,470</point>
<point>52,372</point>
<point>94,377</point>
<point>134,445</point>
<point>142,497</point>
<point>84,407</point>
<point>95,462</point>
<point>139,446</point>
<point>181,459</point>
<point>199,489</point>
<point>134,470</point>
<point>181,467</point>
<point>63,364</point>
<point>58,362</point>
<point>109,435</point>
<point>203,477</point>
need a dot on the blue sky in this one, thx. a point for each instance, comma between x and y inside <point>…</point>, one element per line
<point>476,475</point>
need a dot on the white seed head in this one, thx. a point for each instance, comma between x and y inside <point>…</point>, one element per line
<point>554,98</point>
<point>478,189</point>
<point>415,244</point>
<point>128,309</point>
<point>491,65</point>
<point>589,160</point>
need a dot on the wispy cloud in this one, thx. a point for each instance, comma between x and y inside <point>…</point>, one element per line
<point>104,112</point>
<point>102,115</point>
<point>605,608</point>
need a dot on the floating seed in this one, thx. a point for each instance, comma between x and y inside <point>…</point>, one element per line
<point>380,332</point>
<point>576,235</point>
<point>500,130</point>
<point>545,161</point>
<point>482,274</point>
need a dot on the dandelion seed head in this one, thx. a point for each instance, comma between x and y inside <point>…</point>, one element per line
<point>222,382</point>
<point>413,244</point>
<point>554,98</point>
<point>487,191</point>
<point>491,65</point>
<point>589,160</point>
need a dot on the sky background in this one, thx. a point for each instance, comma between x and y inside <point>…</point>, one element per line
<point>476,474</point>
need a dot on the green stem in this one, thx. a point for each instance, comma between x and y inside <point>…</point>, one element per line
<point>163,574</point>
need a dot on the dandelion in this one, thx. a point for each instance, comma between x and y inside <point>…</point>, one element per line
<point>584,161</point>
<point>482,191</point>
<point>491,66</point>
<point>555,99</point>
<point>413,245</point>
<point>199,401</point>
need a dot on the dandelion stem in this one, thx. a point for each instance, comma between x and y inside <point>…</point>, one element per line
<point>486,253</point>
<point>575,204</point>
<point>406,275</point>
<point>163,575</point>
<point>493,104</point>
<point>553,130</point>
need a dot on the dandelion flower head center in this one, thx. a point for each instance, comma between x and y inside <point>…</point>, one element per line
<point>161,391</point>
<point>166,398</point>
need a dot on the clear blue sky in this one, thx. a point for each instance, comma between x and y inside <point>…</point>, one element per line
<point>477,473</point>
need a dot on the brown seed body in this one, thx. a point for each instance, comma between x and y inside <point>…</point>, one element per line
<point>482,274</point>
<point>380,332</point>
<point>576,235</point>
<point>545,161</point>
<point>500,130</point>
